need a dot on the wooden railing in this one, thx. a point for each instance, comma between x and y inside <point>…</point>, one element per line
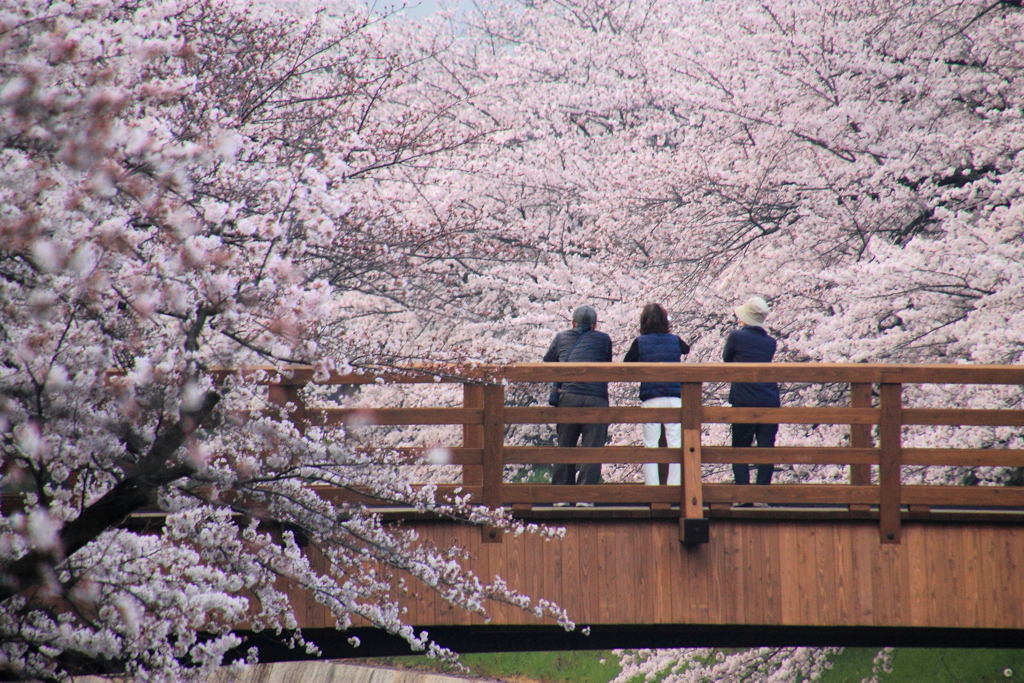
<point>876,398</point>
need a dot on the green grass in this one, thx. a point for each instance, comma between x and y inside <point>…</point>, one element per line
<point>520,667</point>
<point>910,665</point>
<point>852,666</point>
<point>941,665</point>
<point>531,474</point>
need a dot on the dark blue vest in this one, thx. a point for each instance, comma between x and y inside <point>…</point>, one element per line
<point>751,345</point>
<point>658,348</point>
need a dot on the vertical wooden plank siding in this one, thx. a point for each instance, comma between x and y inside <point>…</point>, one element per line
<point>860,437</point>
<point>789,580</point>
<point>731,571</point>
<point>807,567</point>
<point>592,563</point>
<point>667,581</point>
<point>826,571</point>
<point>965,543</point>
<point>893,577</point>
<point>692,502</point>
<point>472,434</point>
<point>633,569</point>
<point>488,562</point>
<point>845,597</point>
<point>494,456</point>
<point>573,572</point>
<point>696,595</point>
<point>863,543</point>
<point>793,573</point>
<point>754,573</point>
<point>713,574</point>
<point>1013,547</point>
<point>919,573</point>
<point>890,459</point>
<point>772,568</point>
<point>988,575</point>
<point>557,569</point>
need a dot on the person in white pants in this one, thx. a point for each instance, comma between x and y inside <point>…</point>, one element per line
<point>656,344</point>
<point>652,436</point>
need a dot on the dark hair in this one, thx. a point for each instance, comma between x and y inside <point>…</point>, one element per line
<point>653,319</point>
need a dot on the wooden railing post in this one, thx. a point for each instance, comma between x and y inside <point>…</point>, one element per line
<point>860,437</point>
<point>494,453</point>
<point>693,528</point>
<point>890,459</point>
<point>472,434</point>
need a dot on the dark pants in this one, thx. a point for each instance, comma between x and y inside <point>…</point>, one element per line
<point>742,437</point>
<point>594,436</point>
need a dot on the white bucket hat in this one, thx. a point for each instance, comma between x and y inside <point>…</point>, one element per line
<point>753,312</point>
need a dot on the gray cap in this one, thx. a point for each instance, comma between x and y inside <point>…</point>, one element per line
<point>584,316</point>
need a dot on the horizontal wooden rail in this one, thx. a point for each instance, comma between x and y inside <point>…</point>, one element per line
<point>437,455</point>
<point>955,417</point>
<point>874,453</point>
<point>780,494</point>
<point>545,455</point>
<point>616,415</point>
<point>361,417</point>
<point>628,414</point>
<point>444,495</point>
<point>792,456</point>
<point>793,494</point>
<point>602,494</point>
<point>807,416</point>
<point>964,457</point>
<point>811,373</point>
<point>963,496</point>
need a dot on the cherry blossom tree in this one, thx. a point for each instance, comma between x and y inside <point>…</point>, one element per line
<point>186,187</point>
<point>202,185</point>
<point>858,164</point>
<point>768,664</point>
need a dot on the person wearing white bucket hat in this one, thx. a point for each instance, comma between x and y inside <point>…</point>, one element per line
<point>753,312</point>
<point>752,344</point>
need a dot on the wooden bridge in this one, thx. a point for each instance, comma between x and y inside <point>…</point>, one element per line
<point>868,561</point>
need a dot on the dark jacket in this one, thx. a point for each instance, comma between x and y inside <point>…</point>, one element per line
<point>595,347</point>
<point>751,345</point>
<point>657,348</point>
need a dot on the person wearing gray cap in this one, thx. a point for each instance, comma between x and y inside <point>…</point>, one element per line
<point>581,344</point>
<point>751,344</point>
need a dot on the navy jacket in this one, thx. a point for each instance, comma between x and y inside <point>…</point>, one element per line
<point>751,345</point>
<point>595,347</point>
<point>657,348</point>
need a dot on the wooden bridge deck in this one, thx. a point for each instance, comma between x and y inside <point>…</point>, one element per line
<point>828,563</point>
<point>876,555</point>
<point>770,572</point>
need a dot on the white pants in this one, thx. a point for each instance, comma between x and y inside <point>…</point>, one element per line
<point>673,434</point>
